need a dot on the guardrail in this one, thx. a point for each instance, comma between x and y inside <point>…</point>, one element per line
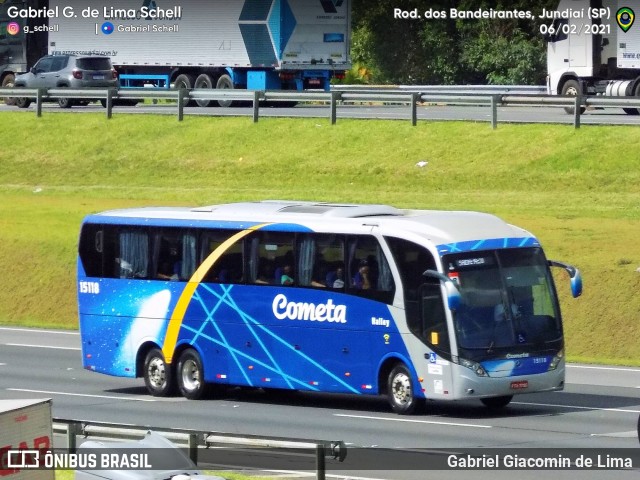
<point>573,104</point>
<point>194,440</point>
<point>450,89</point>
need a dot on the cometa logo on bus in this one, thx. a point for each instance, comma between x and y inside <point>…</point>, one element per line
<point>325,312</point>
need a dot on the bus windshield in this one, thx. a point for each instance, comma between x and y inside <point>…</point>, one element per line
<point>508,303</point>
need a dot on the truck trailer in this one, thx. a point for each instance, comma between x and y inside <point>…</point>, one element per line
<point>25,427</point>
<point>250,44</point>
<point>224,44</point>
<point>594,49</point>
<point>18,51</point>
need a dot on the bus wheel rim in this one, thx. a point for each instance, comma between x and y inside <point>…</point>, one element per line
<point>401,389</point>
<point>190,375</point>
<point>157,372</point>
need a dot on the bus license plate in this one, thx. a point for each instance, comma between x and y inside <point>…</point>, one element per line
<point>519,385</point>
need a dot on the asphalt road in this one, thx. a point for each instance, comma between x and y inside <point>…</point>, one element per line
<point>612,116</point>
<point>599,409</point>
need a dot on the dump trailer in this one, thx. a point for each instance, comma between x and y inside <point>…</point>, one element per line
<point>594,49</point>
<point>224,44</point>
<point>25,428</point>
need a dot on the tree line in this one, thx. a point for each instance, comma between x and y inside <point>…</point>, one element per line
<point>451,50</point>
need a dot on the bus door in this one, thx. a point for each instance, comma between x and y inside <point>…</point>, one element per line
<point>424,305</point>
<point>434,332</point>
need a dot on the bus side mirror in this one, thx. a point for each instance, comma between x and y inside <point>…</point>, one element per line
<point>453,293</point>
<point>574,276</point>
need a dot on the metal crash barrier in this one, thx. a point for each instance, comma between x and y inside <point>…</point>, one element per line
<point>203,445</point>
<point>412,99</point>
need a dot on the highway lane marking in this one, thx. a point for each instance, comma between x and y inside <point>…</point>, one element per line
<point>621,410</point>
<point>32,330</point>
<point>629,434</point>
<point>48,392</point>
<point>41,346</point>
<point>431,422</point>
<point>615,369</point>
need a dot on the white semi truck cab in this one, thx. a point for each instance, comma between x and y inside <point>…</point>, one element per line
<point>594,49</point>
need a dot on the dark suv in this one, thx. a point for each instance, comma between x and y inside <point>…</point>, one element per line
<point>68,71</point>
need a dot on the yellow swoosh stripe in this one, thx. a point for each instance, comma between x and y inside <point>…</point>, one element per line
<point>177,316</point>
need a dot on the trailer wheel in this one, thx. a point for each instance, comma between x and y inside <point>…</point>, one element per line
<point>9,82</point>
<point>572,87</point>
<point>400,391</point>
<point>186,81</point>
<point>495,403</point>
<point>158,375</point>
<point>633,111</point>
<point>204,80</point>
<point>191,375</point>
<point>224,83</point>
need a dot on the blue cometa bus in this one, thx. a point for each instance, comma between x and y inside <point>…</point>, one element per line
<point>360,299</point>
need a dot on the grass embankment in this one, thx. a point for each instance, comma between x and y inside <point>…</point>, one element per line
<point>577,191</point>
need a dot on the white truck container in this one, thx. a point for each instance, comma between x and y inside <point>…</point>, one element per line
<point>24,425</point>
<point>252,44</point>
<point>590,53</point>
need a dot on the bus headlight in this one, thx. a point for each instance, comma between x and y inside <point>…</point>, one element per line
<point>475,366</point>
<point>556,359</point>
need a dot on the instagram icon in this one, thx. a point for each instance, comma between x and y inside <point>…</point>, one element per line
<point>13,28</point>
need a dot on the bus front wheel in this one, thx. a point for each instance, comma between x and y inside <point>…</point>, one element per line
<point>497,402</point>
<point>158,375</point>
<point>400,391</point>
<point>191,375</point>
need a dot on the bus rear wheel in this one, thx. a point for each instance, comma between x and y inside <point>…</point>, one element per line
<point>191,375</point>
<point>496,403</point>
<point>400,391</point>
<point>158,375</point>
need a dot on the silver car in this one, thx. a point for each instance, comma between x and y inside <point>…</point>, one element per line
<point>68,71</point>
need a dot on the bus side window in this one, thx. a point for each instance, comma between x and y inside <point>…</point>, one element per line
<point>174,254</point>
<point>268,253</point>
<point>423,300</point>
<point>320,260</point>
<point>91,249</point>
<point>228,268</point>
<point>133,258</point>
<point>369,272</point>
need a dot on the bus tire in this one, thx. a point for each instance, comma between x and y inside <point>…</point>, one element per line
<point>205,81</point>
<point>191,375</point>
<point>572,87</point>
<point>495,403</point>
<point>9,82</point>
<point>159,377</point>
<point>225,83</point>
<point>400,391</point>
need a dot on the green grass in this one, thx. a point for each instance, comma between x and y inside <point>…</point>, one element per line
<point>578,191</point>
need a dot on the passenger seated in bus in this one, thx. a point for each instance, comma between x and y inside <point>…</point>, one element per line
<point>337,278</point>
<point>362,280</point>
<point>166,272</point>
<point>286,278</point>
